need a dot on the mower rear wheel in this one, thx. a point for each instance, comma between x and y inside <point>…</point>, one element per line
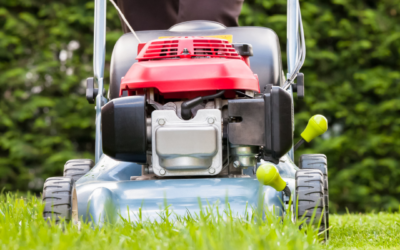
<point>310,197</point>
<point>57,196</point>
<point>77,168</point>
<point>318,161</point>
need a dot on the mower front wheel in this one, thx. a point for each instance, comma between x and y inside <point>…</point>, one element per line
<point>309,198</point>
<point>320,162</point>
<point>57,196</point>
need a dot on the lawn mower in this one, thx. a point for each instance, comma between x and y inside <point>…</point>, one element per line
<point>195,115</point>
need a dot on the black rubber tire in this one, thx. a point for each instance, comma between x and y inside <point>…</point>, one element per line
<point>77,168</point>
<point>310,196</point>
<point>318,161</point>
<point>57,193</point>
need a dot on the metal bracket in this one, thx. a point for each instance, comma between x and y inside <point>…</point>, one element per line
<point>299,86</point>
<point>91,91</point>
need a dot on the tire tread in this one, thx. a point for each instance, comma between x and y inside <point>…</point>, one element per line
<point>318,162</point>
<point>57,198</point>
<point>77,168</point>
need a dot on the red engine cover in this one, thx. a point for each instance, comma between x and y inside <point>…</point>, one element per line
<point>186,64</point>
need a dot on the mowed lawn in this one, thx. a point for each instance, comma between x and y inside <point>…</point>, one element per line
<point>23,227</point>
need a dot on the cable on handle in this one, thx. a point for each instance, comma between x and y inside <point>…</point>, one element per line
<point>125,21</point>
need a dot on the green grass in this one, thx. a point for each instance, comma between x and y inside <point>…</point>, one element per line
<point>22,227</point>
<point>365,231</point>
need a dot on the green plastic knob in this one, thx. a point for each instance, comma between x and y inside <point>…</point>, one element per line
<point>267,174</point>
<point>317,125</point>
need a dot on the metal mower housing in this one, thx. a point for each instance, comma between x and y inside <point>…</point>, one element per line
<point>214,154</point>
<point>147,156</point>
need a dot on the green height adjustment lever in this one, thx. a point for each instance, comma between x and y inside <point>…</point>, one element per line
<point>317,125</point>
<point>267,174</point>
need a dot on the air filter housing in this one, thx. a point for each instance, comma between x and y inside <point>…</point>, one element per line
<point>123,125</point>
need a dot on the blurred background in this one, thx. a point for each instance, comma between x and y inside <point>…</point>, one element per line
<point>352,76</point>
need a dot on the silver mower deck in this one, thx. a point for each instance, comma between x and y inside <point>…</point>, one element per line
<point>107,193</point>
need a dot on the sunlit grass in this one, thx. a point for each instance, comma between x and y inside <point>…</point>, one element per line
<point>365,231</point>
<point>22,227</point>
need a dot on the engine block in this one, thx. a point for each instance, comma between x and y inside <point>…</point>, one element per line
<point>186,148</point>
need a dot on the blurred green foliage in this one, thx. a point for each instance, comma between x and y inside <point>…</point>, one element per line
<point>351,72</point>
<point>45,56</point>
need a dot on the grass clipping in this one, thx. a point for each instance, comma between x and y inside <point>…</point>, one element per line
<point>22,227</point>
